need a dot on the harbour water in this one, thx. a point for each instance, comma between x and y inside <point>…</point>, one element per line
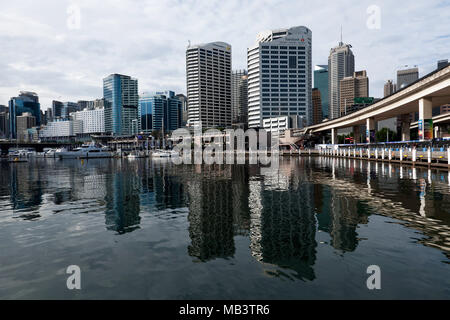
<point>149,229</point>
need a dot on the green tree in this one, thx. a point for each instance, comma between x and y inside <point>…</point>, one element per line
<point>386,135</point>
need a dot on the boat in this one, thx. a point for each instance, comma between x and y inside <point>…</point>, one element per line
<point>161,154</point>
<point>84,152</point>
<point>18,156</point>
<point>136,155</point>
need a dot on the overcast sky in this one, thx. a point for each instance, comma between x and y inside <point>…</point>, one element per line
<point>44,49</point>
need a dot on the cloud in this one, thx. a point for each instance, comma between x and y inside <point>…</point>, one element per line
<point>147,39</point>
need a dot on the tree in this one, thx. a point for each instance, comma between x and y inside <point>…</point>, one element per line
<point>386,135</point>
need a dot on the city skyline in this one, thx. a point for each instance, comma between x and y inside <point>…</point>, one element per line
<point>45,56</point>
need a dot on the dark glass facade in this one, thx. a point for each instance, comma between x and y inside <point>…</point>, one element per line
<point>25,102</point>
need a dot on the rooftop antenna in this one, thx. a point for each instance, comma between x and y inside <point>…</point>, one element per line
<point>189,43</point>
<point>341,36</point>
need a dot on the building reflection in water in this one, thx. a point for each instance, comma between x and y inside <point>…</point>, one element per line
<point>122,199</point>
<point>211,213</point>
<point>283,227</point>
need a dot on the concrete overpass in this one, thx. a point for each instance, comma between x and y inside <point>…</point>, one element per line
<point>430,91</point>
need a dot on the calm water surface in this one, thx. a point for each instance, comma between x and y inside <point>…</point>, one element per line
<point>152,230</point>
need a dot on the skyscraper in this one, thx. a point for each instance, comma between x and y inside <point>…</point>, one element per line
<point>160,111</point>
<point>353,87</point>
<point>68,108</point>
<point>389,88</point>
<point>280,75</point>
<point>208,71</point>
<point>406,76</point>
<point>56,109</point>
<point>341,64</point>
<point>321,83</point>
<point>239,96</point>
<point>121,96</point>
<point>184,105</point>
<point>317,106</point>
<point>25,102</point>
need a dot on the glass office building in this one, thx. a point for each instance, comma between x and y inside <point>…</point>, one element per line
<point>160,111</point>
<point>25,102</point>
<point>121,104</point>
<point>321,83</point>
<point>280,76</point>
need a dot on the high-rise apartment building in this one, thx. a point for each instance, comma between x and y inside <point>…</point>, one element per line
<point>160,111</point>
<point>406,76</point>
<point>25,102</point>
<point>208,71</point>
<point>321,83</point>
<point>121,97</point>
<point>57,107</point>
<point>353,87</point>
<point>317,106</point>
<point>93,120</point>
<point>389,88</point>
<point>341,64</point>
<point>239,96</point>
<point>280,75</point>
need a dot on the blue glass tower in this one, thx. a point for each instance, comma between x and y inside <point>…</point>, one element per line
<point>121,96</point>
<point>160,111</point>
<point>25,102</point>
<point>321,83</point>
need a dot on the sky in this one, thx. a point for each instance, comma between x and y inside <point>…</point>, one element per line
<point>62,49</point>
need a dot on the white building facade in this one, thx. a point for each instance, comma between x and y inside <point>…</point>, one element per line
<point>208,72</point>
<point>280,75</point>
<point>62,129</point>
<point>93,120</point>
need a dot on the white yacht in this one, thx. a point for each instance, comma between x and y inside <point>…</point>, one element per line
<point>165,154</point>
<point>84,152</point>
<point>18,156</point>
<point>161,154</point>
<point>136,155</point>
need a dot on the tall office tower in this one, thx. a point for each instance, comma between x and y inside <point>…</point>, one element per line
<point>24,122</point>
<point>406,76</point>
<point>25,102</point>
<point>239,96</point>
<point>184,105</point>
<point>208,70</point>
<point>321,83</point>
<point>280,75</point>
<point>83,104</point>
<point>48,115</point>
<point>160,111</point>
<point>341,64</point>
<point>121,97</point>
<point>317,106</point>
<point>441,64</point>
<point>68,108</point>
<point>389,88</point>
<point>353,87</point>
<point>57,107</point>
